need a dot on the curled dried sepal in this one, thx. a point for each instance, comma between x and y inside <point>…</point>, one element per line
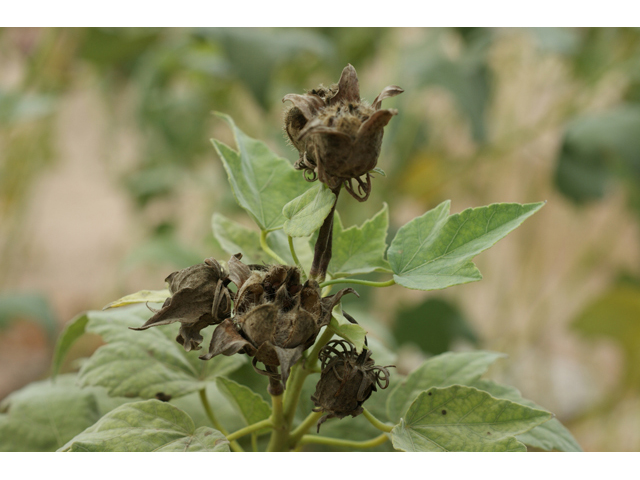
<point>347,380</point>
<point>199,298</point>
<point>337,135</point>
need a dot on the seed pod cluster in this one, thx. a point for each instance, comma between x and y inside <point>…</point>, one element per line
<point>337,134</point>
<point>274,318</point>
<point>347,380</point>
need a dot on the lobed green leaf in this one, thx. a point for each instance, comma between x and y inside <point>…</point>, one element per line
<point>247,403</point>
<point>262,182</point>
<point>441,371</point>
<point>551,435</point>
<point>464,419</point>
<point>147,426</point>
<point>360,250</point>
<point>145,363</point>
<point>306,213</point>
<point>143,296</point>
<point>72,332</point>
<point>434,251</point>
<point>342,327</point>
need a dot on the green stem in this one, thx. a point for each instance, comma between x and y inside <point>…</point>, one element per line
<point>249,429</point>
<point>358,282</point>
<point>335,442</point>
<point>304,427</point>
<point>267,249</point>
<point>214,421</point>
<point>377,423</point>
<point>295,258</point>
<point>280,435</point>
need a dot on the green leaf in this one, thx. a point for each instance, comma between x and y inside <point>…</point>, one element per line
<point>72,332</point>
<point>145,363</point>
<point>44,415</point>
<point>234,238</point>
<point>434,251</point>
<point>149,426</point>
<point>344,328</point>
<point>250,405</point>
<point>262,182</point>
<point>360,250</point>
<point>442,371</point>
<point>306,213</point>
<point>143,296</point>
<point>464,419</point>
<point>548,436</point>
<point>433,325</point>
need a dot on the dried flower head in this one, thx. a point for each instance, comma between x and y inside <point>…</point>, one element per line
<point>199,298</point>
<point>276,318</point>
<point>337,134</point>
<point>347,380</point>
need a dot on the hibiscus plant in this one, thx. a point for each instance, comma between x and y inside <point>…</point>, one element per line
<point>283,356</point>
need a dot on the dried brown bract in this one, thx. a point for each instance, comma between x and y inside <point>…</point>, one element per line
<point>347,380</point>
<point>337,134</point>
<point>199,298</point>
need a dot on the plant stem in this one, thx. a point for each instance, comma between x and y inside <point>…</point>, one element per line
<point>280,435</point>
<point>214,421</point>
<point>267,249</point>
<point>377,423</point>
<point>304,427</point>
<point>295,258</point>
<point>358,282</point>
<point>249,429</point>
<point>335,442</point>
<point>324,244</point>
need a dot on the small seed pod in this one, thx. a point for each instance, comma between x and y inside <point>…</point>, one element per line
<point>199,298</point>
<point>347,380</point>
<point>337,134</point>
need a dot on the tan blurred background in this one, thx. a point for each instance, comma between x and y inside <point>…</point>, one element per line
<point>108,182</point>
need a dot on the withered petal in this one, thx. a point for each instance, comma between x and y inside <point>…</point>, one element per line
<point>348,87</point>
<point>189,335</point>
<point>308,104</point>
<point>328,303</point>
<point>267,354</point>
<point>260,322</point>
<point>316,126</point>
<point>387,92</point>
<point>227,341</point>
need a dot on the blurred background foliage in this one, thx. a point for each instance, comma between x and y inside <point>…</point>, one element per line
<point>108,182</point>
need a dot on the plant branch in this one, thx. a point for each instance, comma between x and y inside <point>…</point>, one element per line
<point>280,435</point>
<point>377,423</point>
<point>267,249</point>
<point>295,259</point>
<point>214,421</point>
<point>250,429</point>
<point>358,282</point>
<point>335,442</point>
<point>304,427</point>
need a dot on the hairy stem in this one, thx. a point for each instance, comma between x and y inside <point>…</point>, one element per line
<point>377,423</point>
<point>250,429</point>
<point>280,435</point>
<point>335,442</point>
<point>267,249</point>
<point>214,421</point>
<point>358,282</point>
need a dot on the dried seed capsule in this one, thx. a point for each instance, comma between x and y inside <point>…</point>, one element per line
<point>337,134</point>
<point>347,380</point>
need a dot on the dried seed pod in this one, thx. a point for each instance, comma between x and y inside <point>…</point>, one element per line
<point>199,298</point>
<point>276,326</point>
<point>347,380</point>
<point>337,134</point>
